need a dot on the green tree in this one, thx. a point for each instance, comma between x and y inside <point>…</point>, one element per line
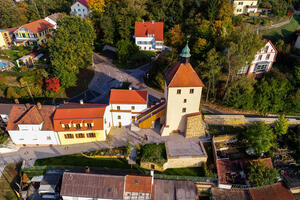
<point>259,174</point>
<point>258,136</point>
<point>297,72</point>
<point>212,9</point>
<point>281,125</point>
<point>71,48</point>
<point>125,49</point>
<point>9,17</point>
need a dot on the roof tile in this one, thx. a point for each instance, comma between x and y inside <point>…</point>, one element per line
<point>38,26</point>
<point>118,96</point>
<point>142,29</point>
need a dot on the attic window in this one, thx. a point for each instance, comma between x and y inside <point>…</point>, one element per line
<point>136,181</point>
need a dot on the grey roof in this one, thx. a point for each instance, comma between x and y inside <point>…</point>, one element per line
<point>174,190</point>
<point>92,185</point>
<point>184,147</point>
<point>5,108</point>
<point>49,182</point>
<point>55,16</point>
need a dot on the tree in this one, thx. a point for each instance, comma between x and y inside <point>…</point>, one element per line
<point>52,84</point>
<point>212,9</point>
<point>97,5</point>
<point>9,17</point>
<point>11,93</point>
<point>125,49</point>
<point>281,125</point>
<point>175,37</point>
<point>258,136</point>
<point>259,174</point>
<point>297,72</point>
<point>71,48</point>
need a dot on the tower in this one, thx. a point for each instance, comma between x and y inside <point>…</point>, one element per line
<point>183,89</point>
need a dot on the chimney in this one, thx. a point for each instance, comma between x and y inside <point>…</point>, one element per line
<point>152,175</point>
<point>130,87</point>
<point>153,21</point>
<point>27,105</point>
<point>143,21</point>
<point>17,101</point>
<point>39,105</point>
<point>87,170</point>
<point>81,101</point>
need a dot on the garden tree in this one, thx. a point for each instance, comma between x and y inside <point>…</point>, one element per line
<point>125,49</point>
<point>259,174</point>
<point>9,17</point>
<point>97,5</point>
<point>211,70</point>
<point>138,8</point>
<point>225,10</point>
<point>200,46</point>
<point>108,29</point>
<point>212,10</point>
<point>52,84</point>
<point>240,93</point>
<point>258,136</point>
<point>71,48</point>
<point>281,125</point>
<point>175,37</point>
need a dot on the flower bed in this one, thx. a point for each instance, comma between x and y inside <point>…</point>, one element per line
<point>107,153</point>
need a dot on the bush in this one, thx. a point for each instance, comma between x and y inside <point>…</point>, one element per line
<point>11,93</point>
<point>237,20</point>
<point>155,153</point>
<point>256,20</point>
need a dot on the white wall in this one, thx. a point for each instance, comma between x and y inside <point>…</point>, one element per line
<point>51,21</point>
<point>151,43</point>
<point>79,10</point>
<point>107,121</point>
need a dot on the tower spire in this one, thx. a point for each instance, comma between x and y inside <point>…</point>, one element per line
<point>185,53</point>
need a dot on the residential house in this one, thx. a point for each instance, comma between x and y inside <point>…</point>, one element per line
<point>54,18</point>
<point>297,44</point>
<point>80,8</point>
<point>149,35</point>
<point>275,192</point>
<point>4,112</point>
<point>5,39</point>
<point>81,123</point>
<point>29,59</point>
<point>32,125</point>
<point>125,105</point>
<point>138,187</point>
<point>262,62</point>
<point>34,33</point>
<point>244,7</point>
<point>183,89</point>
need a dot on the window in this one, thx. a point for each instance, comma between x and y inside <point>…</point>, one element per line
<point>239,10</point>
<point>191,91</point>
<point>89,125</point>
<point>67,126</point>
<point>184,100</point>
<point>259,57</point>
<point>21,139</point>
<point>79,135</point>
<point>120,124</point>
<point>240,3</point>
<point>118,108</point>
<point>144,48</point>
<point>119,116</point>
<point>132,107</point>
<point>268,57</point>
<point>69,136</point>
<point>78,9</point>
<point>78,126</point>
<point>261,67</point>
<point>48,138</point>
<point>90,135</point>
<point>178,91</point>
<point>23,35</point>
<point>267,48</point>
<point>183,110</point>
<point>133,118</point>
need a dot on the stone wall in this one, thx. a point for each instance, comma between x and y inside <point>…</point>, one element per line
<point>185,161</point>
<point>195,127</point>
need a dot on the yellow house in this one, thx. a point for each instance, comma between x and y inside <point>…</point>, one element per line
<point>244,7</point>
<point>34,33</point>
<point>5,39</point>
<point>81,123</point>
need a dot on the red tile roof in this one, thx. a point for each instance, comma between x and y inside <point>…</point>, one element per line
<point>118,96</point>
<point>183,75</point>
<point>38,26</point>
<point>12,29</point>
<point>271,192</point>
<point>142,29</point>
<point>140,184</point>
<point>84,2</point>
<point>19,114</point>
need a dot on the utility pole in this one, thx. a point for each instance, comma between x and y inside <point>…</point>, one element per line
<point>30,92</point>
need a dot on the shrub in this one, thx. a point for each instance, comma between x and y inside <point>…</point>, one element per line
<point>256,21</point>
<point>11,93</point>
<point>155,153</point>
<point>53,84</point>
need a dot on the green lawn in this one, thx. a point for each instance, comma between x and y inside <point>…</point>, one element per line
<point>284,32</point>
<point>193,171</point>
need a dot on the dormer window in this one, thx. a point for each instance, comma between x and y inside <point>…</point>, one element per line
<point>78,126</point>
<point>66,126</point>
<point>89,125</point>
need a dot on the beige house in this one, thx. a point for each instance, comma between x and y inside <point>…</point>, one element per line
<point>5,39</point>
<point>244,7</point>
<point>183,89</point>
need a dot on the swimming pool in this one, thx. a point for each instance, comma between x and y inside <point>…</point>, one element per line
<point>2,64</point>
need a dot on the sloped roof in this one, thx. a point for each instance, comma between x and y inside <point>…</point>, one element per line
<point>10,30</point>
<point>55,16</point>
<point>271,192</point>
<point>5,108</point>
<point>182,75</point>
<point>38,26</point>
<point>84,2</point>
<point>118,96</point>
<point>19,114</point>
<point>230,194</point>
<point>92,185</point>
<point>142,29</point>
<point>140,184</point>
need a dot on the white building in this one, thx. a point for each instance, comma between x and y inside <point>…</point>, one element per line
<point>262,62</point>
<point>32,125</point>
<point>80,8</point>
<point>183,89</point>
<point>125,105</point>
<point>244,7</point>
<point>149,35</point>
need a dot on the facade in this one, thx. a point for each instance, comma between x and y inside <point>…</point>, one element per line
<point>34,33</point>
<point>5,39</point>
<point>126,105</point>
<point>297,44</point>
<point>53,19</point>
<point>149,35</point>
<point>80,8</point>
<point>262,62</point>
<point>81,123</point>
<point>183,89</point>
<point>244,7</point>
<point>32,125</point>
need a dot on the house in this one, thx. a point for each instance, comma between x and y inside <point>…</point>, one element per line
<point>183,89</point>
<point>54,18</point>
<point>91,186</point>
<point>297,44</point>
<point>49,186</point>
<point>5,39</point>
<point>138,187</point>
<point>80,8</point>
<point>149,35</point>
<point>29,59</point>
<point>80,123</point>
<point>125,105</point>
<point>232,194</point>
<point>275,192</point>
<point>262,62</point>
<point>32,125</point>
<point>34,33</point>
<point>244,7</point>
<point>4,112</point>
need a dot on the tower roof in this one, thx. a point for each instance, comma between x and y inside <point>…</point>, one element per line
<point>185,53</point>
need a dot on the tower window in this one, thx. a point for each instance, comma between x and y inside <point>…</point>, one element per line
<point>191,91</point>
<point>183,110</point>
<point>179,91</point>
<point>118,108</point>
<point>184,101</point>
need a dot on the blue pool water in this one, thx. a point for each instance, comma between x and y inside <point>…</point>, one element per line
<point>2,64</point>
